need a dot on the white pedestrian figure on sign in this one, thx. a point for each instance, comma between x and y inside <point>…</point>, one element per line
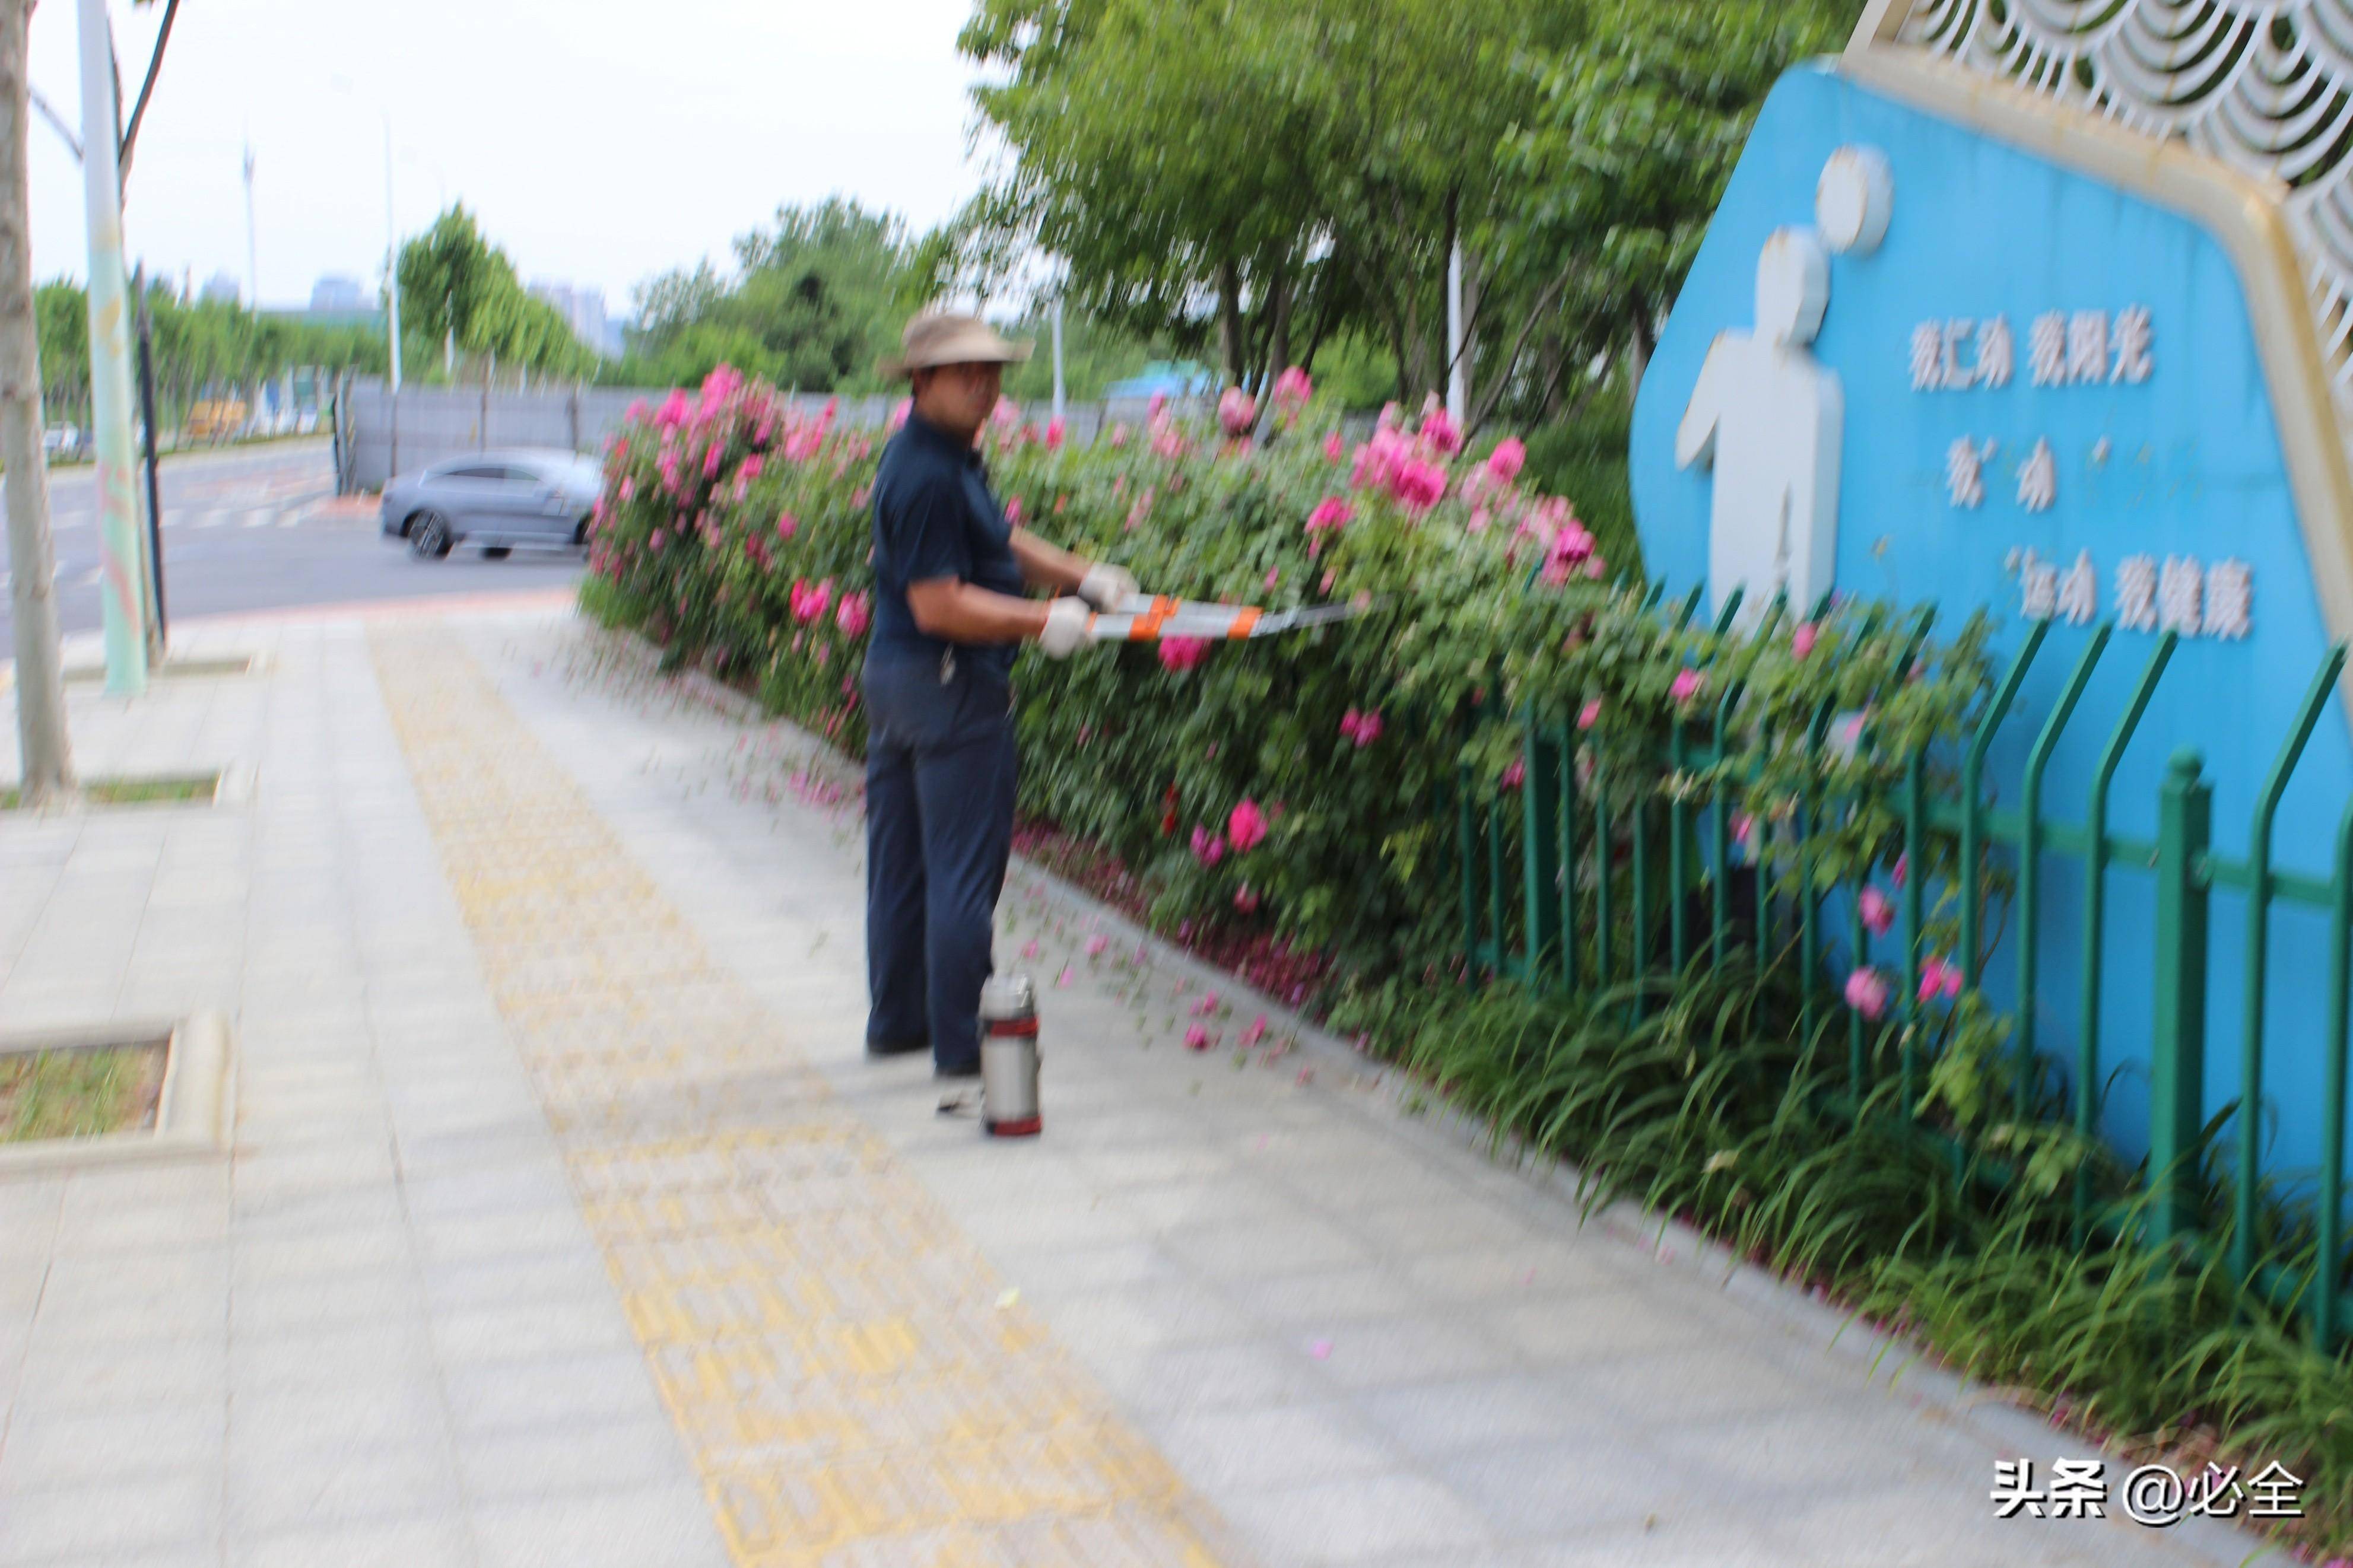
<point>1770,417</point>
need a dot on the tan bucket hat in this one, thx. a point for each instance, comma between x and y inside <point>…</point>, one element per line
<point>945,337</point>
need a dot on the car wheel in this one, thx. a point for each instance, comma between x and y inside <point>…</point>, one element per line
<point>497,552</point>
<point>428,536</point>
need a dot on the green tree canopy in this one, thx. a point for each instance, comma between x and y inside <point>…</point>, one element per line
<point>815,297</point>
<point>456,284</point>
<point>1262,177</point>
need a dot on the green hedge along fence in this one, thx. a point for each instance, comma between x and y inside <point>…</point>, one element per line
<point>1542,900</point>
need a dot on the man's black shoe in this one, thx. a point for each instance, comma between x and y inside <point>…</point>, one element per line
<point>896,1048</point>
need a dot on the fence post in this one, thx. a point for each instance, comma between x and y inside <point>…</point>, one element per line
<point>2177,1041</point>
<point>1541,829</point>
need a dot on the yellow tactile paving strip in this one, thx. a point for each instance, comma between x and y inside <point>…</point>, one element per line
<point>839,1360</point>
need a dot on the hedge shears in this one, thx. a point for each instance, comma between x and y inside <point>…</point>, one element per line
<point>1152,617</point>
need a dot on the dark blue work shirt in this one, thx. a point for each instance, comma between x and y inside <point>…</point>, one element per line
<point>935,517</point>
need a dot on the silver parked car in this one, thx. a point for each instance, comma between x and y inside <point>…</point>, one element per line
<point>529,496</point>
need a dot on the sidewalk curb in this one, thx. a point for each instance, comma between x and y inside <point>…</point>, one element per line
<point>1925,1384</point>
<point>194,1111</point>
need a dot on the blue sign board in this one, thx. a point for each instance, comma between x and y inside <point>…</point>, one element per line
<point>2049,403</point>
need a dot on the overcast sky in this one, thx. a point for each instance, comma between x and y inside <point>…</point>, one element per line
<point>598,141</point>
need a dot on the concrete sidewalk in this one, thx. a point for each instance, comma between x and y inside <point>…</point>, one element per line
<point>568,1224</point>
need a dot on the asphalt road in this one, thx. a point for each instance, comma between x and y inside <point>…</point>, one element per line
<point>259,529</point>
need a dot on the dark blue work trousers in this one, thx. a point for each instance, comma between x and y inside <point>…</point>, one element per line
<point>940,775</point>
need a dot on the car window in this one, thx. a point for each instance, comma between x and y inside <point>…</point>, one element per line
<point>518,476</point>
<point>477,471</point>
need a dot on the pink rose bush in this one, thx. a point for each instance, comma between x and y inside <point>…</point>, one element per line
<point>736,528</point>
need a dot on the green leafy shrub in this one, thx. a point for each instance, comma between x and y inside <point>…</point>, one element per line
<point>738,536</point>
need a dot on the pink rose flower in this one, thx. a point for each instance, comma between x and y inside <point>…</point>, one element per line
<point>1096,943</point>
<point>1866,992</point>
<point>1418,486</point>
<point>1510,456</point>
<point>899,413</point>
<point>1332,446</point>
<point>675,410</point>
<point>1687,685</point>
<point>1362,728</point>
<point>1013,511</point>
<point>659,539</point>
<point>1590,715</point>
<point>1246,827</point>
<point>1801,641</point>
<point>1938,978</point>
<point>628,490</point>
<point>1293,387</point>
<point>1183,653</point>
<point>1197,1039</point>
<point>811,600</point>
<point>1902,868</point>
<point>1237,412</point>
<point>1245,900</point>
<point>1118,437</point>
<point>786,525</point>
<point>1439,429</point>
<point>1208,847</point>
<point>1056,430</point>
<point>1878,913</point>
<point>852,616</point>
<point>1330,514</point>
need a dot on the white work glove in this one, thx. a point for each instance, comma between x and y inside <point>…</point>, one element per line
<point>1107,587</point>
<point>1065,630</point>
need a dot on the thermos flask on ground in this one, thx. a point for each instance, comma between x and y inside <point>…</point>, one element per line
<point>1008,1056</point>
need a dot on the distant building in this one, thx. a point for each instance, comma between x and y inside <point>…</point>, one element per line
<point>223,289</point>
<point>337,295</point>
<point>583,309</point>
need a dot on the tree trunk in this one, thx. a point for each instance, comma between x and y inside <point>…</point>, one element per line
<point>1278,330</point>
<point>1229,319</point>
<point>32,556</point>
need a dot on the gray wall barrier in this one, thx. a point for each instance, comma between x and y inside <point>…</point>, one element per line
<point>379,435</point>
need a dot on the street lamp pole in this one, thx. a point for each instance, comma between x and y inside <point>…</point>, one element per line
<point>391,260</point>
<point>121,593</point>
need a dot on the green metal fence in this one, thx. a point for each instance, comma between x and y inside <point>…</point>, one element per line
<point>1560,891</point>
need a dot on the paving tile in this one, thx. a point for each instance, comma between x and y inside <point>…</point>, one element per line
<point>90,1448</point>
<point>1221,1451</point>
<point>110,1519</point>
<point>1359,1519</point>
<point>435,1541</point>
<point>659,1527</point>
<point>291,1481</point>
<point>574,1457</point>
<point>588,1385</point>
